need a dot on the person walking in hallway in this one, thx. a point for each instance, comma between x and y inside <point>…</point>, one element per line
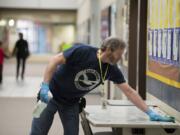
<point>21,51</point>
<point>75,72</point>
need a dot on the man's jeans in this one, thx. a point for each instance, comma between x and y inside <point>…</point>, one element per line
<point>69,117</point>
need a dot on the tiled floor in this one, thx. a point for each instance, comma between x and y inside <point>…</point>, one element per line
<point>16,116</point>
<point>13,88</point>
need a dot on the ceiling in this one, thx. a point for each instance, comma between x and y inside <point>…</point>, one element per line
<point>41,4</point>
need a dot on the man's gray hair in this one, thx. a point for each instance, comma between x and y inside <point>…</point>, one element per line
<point>113,43</point>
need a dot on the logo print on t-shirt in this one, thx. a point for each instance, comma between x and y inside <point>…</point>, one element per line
<point>87,79</point>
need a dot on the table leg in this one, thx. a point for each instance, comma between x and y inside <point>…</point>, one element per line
<point>138,131</point>
<point>117,131</point>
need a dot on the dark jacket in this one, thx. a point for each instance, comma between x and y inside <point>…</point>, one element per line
<point>21,49</point>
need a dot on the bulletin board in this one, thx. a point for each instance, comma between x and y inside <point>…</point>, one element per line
<point>164,41</point>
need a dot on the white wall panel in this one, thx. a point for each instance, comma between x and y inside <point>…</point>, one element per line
<point>105,3</point>
<point>63,4</point>
<point>40,4</point>
<point>83,11</point>
<point>19,3</point>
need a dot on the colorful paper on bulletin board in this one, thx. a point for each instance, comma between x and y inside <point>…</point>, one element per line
<point>164,41</point>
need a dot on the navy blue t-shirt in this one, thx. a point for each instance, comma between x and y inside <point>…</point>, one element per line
<point>80,74</point>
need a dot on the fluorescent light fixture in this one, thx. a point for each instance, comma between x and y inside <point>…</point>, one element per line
<point>11,22</point>
<point>3,22</point>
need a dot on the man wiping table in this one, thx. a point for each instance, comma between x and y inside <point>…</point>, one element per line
<point>75,72</point>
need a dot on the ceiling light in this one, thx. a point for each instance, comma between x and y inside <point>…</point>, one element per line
<point>11,22</point>
<point>3,22</point>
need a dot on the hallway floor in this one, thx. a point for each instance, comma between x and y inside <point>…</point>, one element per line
<point>16,116</point>
<point>18,99</point>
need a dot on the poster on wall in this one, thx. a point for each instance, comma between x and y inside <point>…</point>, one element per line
<point>164,41</point>
<point>159,44</point>
<point>150,43</point>
<point>105,23</point>
<point>164,44</point>
<point>176,45</point>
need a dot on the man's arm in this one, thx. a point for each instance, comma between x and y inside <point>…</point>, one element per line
<point>138,101</point>
<point>6,56</point>
<point>133,96</point>
<point>51,67</point>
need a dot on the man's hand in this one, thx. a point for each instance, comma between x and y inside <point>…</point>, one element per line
<point>157,117</point>
<point>44,92</point>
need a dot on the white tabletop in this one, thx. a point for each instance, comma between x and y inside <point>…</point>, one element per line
<point>127,103</point>
<point>123,116</point>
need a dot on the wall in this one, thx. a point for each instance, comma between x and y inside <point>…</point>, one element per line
<point>95,23</point>
<point>105,3</point>
<point>83,15</point>
<point>40,4</point>
<point>83,12</point>
<point>90,10</point>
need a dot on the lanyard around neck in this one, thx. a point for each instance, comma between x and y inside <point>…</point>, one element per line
<point>100,66</point>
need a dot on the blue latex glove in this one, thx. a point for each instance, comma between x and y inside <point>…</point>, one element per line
<point>157,117</point>
<point>44,92</point>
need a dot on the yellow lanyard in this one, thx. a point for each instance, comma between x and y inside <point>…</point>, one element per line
<point>100,66</point>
